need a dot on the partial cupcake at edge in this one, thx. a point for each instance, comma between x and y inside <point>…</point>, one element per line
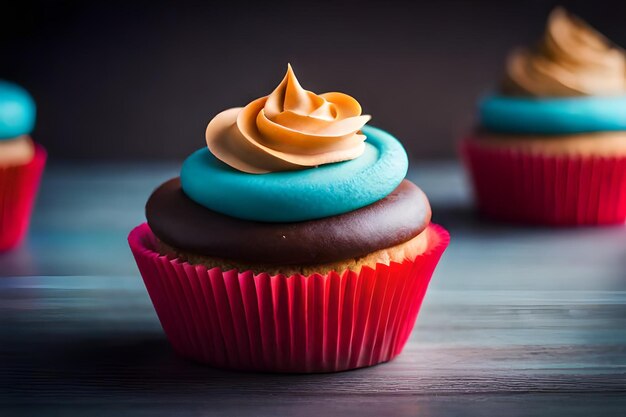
<point>292,241</point>
<point>21,164</point>
<point>551,143</point>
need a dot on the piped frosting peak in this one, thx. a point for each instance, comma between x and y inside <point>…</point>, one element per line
<point>290,129</point>
<point>572,59</point>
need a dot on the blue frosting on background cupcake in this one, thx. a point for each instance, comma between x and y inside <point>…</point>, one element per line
<point>17,111</point>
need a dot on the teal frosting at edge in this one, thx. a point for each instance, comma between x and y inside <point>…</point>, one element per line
<point>291,196</point>
<point>566,115</point>
<point>17,111</point>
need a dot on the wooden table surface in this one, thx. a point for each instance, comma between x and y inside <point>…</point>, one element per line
<point>517,321</point>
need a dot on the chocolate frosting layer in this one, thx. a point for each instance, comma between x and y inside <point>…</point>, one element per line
<point>190,227</point>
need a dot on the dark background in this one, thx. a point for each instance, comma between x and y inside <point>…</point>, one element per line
<point>125,80</point>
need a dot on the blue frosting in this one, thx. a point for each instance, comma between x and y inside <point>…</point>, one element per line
<point>291,196</point>
<point>17,111</point>
<point>553,115</point>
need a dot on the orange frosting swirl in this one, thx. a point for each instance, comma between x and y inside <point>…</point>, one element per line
<point>290,129</point>
<point>572,59</point>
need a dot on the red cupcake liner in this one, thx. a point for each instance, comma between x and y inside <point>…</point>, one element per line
<point>317,323</point>
<point>18,189</point>
<point>530,188</point>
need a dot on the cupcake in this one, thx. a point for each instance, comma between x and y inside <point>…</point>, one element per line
<point>292,241</point>
<point>551,145</point>
<point>21,163</point>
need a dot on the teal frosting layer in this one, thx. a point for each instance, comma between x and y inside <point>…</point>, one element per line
<point>17,111</point>
<point>553,115</point>
<point>291,196</point>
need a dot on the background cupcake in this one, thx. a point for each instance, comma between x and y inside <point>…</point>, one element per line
<point>21,163</point>
<point>551,146</point>
<point>292,243</point>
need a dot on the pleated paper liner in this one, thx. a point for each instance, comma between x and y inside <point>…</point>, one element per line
<point>316,323</point>
<point>18,189</point>
<point>529,188</point>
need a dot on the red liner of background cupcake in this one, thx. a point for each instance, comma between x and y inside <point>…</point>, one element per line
<point>519,186</point>
<point>18,190</point>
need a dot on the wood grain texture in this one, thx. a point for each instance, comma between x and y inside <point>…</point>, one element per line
<point>517,321</point>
